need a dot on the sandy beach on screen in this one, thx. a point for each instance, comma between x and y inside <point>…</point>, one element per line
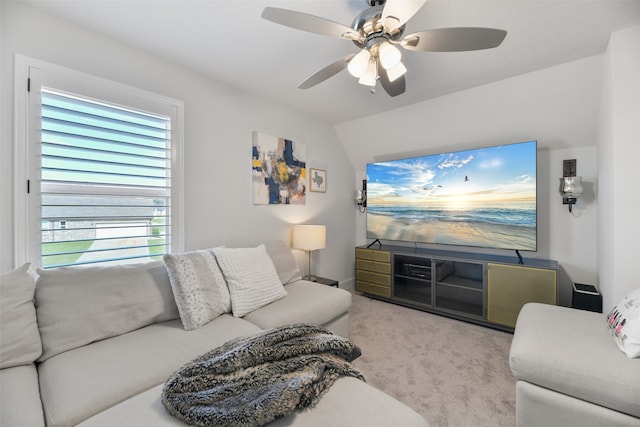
<point>451,233</point>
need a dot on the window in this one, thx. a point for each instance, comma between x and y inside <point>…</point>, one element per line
<point>103,171</point>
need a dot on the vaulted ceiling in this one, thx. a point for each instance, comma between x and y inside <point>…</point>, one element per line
<point>230,42</point>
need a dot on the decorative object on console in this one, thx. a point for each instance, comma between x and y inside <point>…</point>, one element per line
<point>624,324</point>
<point>309,238</point>
<point>318,180</point>
<point>278,171</point>
<point>570,185</point>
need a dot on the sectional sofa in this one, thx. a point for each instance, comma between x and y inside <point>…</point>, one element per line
<point>570,372</point>
<point>93,346</point>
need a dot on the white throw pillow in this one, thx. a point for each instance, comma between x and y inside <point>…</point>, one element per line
<point>624,324</point>
<point>198,287</point>
<point>19,337</point>
<point>251,276</point>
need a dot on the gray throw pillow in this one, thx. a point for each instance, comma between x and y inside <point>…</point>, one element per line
<point>79,305</point>
<point>284,262</point>
<point>19,338</point>
<point>198,287</point>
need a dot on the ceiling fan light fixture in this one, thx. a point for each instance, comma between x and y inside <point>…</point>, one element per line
<point>378,32</point>
<point>390,55</point>
<point>359,64</point>
<point>370,76</point>
<point>396,72</point>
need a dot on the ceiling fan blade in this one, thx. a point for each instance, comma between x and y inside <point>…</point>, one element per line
<point>328,71</point>
<point>306,22</point>
<point>454,39</point>
<point>394,88</point>
<point>397,12</point>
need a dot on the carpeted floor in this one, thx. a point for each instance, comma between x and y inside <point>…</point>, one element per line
<point>453,373</point>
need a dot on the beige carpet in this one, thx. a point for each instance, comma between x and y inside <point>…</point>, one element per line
<point>452,373</point>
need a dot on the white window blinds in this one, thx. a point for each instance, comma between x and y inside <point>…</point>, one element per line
<point>105,182</point>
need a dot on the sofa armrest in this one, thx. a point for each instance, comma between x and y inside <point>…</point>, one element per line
<point>571,352</point>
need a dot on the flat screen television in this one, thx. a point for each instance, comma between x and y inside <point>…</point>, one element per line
<point>484,197</point>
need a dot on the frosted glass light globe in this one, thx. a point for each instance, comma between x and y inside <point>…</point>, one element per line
<point>359,63</point>
<point>389,55</point>
<point>370,76</point>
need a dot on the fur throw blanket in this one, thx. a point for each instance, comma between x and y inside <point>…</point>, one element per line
<point>253,381</point>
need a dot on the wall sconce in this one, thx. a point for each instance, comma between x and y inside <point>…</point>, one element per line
<point>361,197</point>
<point>309,238</point>
<point>570,185</point>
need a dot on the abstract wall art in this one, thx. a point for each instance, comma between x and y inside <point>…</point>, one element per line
<point>278,171</point>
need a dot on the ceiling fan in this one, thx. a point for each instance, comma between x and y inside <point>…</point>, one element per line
<point>377,31</point>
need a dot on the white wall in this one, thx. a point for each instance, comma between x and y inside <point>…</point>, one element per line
<point>557,106</point>
<point>219,121</point>
<point>618,152</point>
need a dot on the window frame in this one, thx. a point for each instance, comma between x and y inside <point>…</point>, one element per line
<point>32,74</point>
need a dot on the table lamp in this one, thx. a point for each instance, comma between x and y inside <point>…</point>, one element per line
<point>309,238</point>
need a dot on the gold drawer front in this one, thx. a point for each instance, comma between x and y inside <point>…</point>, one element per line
<point>379,267</point>
<point>377,278</point>
<point>371,288</point>
<point>373,255</point>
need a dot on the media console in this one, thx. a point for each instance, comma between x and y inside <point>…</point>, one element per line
<point>484,289</point>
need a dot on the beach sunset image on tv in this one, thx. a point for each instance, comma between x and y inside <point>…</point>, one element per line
<point>484,197</point>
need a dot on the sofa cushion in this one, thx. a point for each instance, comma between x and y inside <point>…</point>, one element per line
<point>349,402</point>
<point>198,287</point>
<point>251,276</point>
<point>624,324</point>
<point>80,383</point>
<point>79,305</point>
<point>20,397</point>
<point>19,337</point>
<point>570,351</point>
<point>306,302</point>
<point>283,261</point>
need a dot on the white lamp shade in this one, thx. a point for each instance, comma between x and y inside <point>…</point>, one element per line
<point>309,237</point>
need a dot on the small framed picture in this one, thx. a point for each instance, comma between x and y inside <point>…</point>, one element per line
<point>318,180</point>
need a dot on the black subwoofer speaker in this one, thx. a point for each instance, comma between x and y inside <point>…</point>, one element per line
<point>586,297</point>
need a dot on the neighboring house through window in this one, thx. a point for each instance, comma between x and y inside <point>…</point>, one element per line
<point>102,169</point>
